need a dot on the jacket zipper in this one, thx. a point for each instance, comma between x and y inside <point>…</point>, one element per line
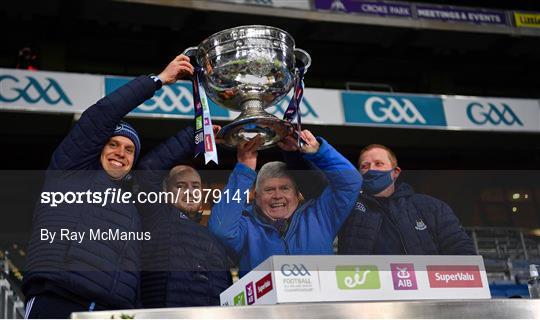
<point>395,225</point>
<point>123,253</point>
<point>400,236</point>
<point>293,224</point>
<point>286,246</point>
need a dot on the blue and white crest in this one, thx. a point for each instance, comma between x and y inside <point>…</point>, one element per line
<point>420,225</point>
<point>360,206</point>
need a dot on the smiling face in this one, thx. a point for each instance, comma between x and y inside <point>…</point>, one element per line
<point>183,181</point>
<point>117,157</point>
<point>278,198</point>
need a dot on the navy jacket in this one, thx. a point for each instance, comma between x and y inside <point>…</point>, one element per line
<point>426,226</point>
<point>183,264</point>
<point>105,272</point>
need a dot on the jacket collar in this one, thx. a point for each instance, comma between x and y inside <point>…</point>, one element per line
<point>260,219</point>
<point>196,218</point>
<point>281,225</point>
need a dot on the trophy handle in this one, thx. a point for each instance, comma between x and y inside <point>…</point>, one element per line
<point>303,57</point>
<point>191,52</point>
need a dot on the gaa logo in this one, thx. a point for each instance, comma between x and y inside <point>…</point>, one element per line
<point>481,114</point>
<point>390,109</point>
<point>175,99</point>
<point>32,91</point>
<point>294,270</point>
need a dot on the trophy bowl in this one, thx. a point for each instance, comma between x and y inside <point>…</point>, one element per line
<point>249,69</point>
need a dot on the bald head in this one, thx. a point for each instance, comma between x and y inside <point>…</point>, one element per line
<point>183,180</point>
<point>179,172</point>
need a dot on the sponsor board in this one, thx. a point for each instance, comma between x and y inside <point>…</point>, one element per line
<point>403,276</point>
<point>264,285</point>
<point>453,276</point>
<point>461,14</point>
<point>171,100</point>
<point>416,11</point>
<point>48,91</point>
<point>527,20</point>
<point>177,100</point>
<point>250,293</point>
<point>377,8</point>
<point>73,93</point>
<point>296,278</point>
<point>395,110</point>
<point>297,4</point>
<point>286,279</point>
<point>358,277</point>
<point>240,299</point>
<point>492,113</point>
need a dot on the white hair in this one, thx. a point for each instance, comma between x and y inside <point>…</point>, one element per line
<point>274,169</point>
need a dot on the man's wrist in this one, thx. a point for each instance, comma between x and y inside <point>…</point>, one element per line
<point>157,81</point>
<point>249,163</point>
<point>242,167</point>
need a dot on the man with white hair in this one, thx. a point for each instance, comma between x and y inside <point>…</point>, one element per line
<point>280,222</point>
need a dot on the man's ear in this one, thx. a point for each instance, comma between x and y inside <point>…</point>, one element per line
<point>396,172</point>
<point>301,197</point>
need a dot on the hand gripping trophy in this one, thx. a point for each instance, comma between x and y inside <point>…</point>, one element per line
<point>249,69</point>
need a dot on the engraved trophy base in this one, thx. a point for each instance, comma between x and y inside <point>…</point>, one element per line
<point>255,121</point>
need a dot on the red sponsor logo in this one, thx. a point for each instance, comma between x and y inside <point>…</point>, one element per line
<point>454,277</point>
<point>208,142</point>
<point>264,285</point>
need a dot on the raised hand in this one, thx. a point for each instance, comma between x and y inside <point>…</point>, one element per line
<point>288,143</point>
<point>311,144</point>
<point>215,129</point>
<point>247,151</point>
<point>176,69</point>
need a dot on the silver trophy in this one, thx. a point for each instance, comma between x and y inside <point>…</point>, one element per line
<point>249,69</point>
